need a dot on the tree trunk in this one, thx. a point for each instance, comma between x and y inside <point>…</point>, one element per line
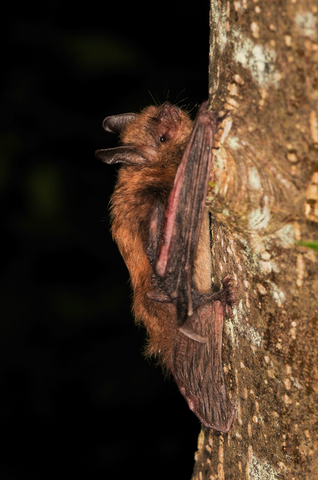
<point>264,197</point>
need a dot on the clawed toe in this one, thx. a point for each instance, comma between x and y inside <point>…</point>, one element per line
<point>228,292</point>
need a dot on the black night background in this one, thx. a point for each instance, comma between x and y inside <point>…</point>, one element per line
<point>78,397</point>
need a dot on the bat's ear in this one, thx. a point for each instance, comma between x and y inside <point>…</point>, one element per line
<point>126,155</point>
<point>117,123</point>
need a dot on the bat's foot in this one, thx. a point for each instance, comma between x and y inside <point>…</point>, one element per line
<point>228,290</point>
<point>226,296</point>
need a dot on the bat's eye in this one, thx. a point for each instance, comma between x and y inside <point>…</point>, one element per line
<point>162,139</point>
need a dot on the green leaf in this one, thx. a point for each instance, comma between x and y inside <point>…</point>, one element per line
<point>312,244</point>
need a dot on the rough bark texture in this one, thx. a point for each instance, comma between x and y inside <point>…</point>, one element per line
<point>264,197</point>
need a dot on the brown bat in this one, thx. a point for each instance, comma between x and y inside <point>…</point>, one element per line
<point>161,226</point>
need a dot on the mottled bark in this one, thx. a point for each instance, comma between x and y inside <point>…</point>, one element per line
<point>264,197</point>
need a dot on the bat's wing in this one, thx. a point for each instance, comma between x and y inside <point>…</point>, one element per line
<point>197,369</point>
<point>184,214</point>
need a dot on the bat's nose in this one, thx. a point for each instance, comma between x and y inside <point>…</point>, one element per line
<point>169,110</point>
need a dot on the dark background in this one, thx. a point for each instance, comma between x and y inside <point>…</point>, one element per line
<point>77,396</point>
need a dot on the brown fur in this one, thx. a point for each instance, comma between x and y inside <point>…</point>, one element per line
<point>132,204</point>
<point>154,142</point>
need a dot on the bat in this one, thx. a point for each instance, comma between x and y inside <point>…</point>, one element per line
<point>162,228</point>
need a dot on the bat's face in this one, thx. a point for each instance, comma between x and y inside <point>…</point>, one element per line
<point>161,131</point>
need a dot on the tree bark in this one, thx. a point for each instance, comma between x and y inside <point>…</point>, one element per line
<point>263,198</point>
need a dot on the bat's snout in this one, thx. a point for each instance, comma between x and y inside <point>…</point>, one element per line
<point>170,112</point>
